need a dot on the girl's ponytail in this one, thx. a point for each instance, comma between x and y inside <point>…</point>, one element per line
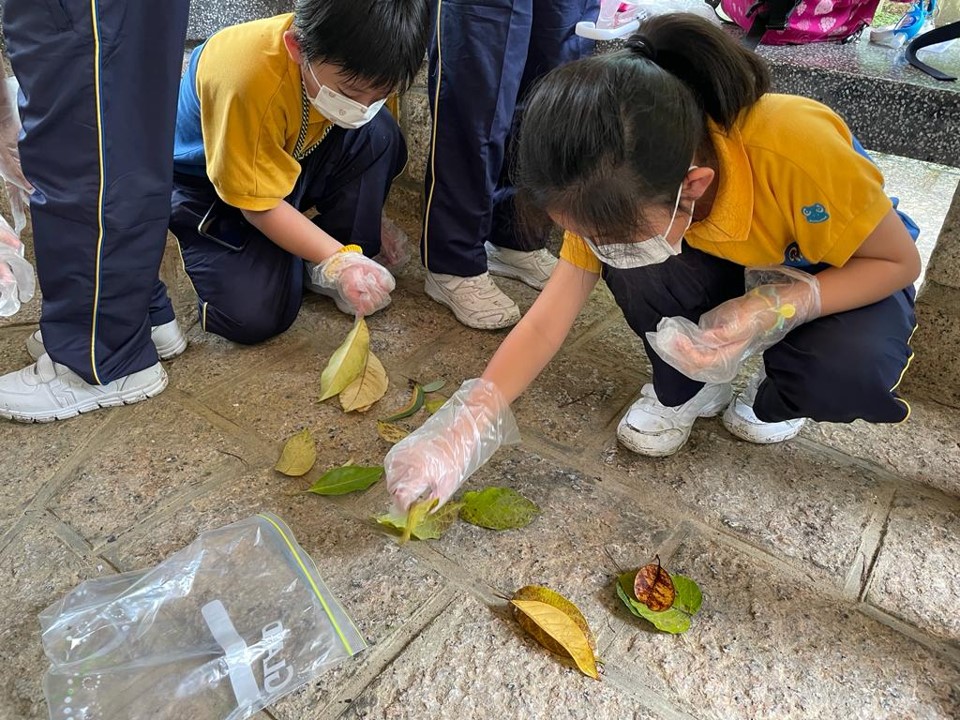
<point>725,77</point>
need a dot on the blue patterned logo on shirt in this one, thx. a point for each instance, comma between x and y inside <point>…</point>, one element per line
<point>792,257</point>
<point>816,213</point>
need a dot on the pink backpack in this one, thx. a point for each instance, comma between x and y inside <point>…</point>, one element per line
<point>794,22</point>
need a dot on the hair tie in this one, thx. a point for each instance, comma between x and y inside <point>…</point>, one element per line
<point>640,46</point>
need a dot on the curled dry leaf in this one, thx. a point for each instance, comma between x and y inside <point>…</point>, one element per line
<point>363,392</point>
<point>390,432</point>
<point>653,587</point>
<point>558,625</point>
<point>298,456</point>
<point>347,362</point>
<point>411,408</point>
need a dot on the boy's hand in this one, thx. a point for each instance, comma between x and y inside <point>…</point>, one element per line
<point>713,351</point>
<point>362,283</point>
<point>455,442</point>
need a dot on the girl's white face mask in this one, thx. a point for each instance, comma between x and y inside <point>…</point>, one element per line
<point>626,256</point>
<point>341,110</point>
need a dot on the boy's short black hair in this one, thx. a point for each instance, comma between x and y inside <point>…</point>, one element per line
<point>380,43</point>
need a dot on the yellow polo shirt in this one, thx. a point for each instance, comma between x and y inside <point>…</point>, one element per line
<point>793,190</point>
<point>250,114</point>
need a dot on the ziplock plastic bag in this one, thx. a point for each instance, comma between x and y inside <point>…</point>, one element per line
<point>219,630</point>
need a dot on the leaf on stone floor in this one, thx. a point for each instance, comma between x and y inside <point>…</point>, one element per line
<point>298,456</point>
<point>689,597</point>
<point>430,527</point>
<point>674,620</point>
<point>347,362</point>
<point>347,479</point>
<point>390,432</point>
<point>653,587</point>
<point>362,393</point>
<point>434,386</point>
<point>498,509</point>
<point>433,405</point>
<point>411,408</point>
<point>558,625</point>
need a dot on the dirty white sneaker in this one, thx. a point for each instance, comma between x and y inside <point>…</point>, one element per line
<point>476,301</point>
<point>532,268</point>
<point>652,429</point>
<point>47,391</point>
<point>168,339</point>
<point>742,422</point>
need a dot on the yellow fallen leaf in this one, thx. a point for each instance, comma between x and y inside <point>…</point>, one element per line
<point>363,392</point>
<point>390,432</point>
<point>298,456</point>
<point>347,362</point>
<point>415,515</point>
<point>558,625</point>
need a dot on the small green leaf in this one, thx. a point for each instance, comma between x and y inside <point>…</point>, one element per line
<point>498,509</point>
<point>411,408</point>
<point>298,456</point>
<point>689,598</point>
<point>347,479</point>
<point>430,527</point>
<point>434,386</point>
<point>433,405</point>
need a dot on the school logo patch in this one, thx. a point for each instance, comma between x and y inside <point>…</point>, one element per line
<point>815,213</point>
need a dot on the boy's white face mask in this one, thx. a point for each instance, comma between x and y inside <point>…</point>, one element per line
<point>341,110</point>
<point>626,256</point>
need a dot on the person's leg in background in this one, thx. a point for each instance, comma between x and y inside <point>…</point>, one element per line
<point>478,51</point>
<point>99,85</point>
<point>513,251</point>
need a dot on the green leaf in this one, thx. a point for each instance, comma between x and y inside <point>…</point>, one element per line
<point>347,479</point>
<point>498,509</point>
<point>411,408</point>
<point>298,456</point>
<point>430,527</point>
<point>689,598</point>
<point>434,386</point>
<point>347,362</point>
<point>433,405</point>
<point>673,620</point>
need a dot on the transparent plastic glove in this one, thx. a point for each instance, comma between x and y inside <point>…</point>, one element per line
<point>362,283</point>
<point>778,300</point>
<point>449,447</point>
<point>18,189</point>
<point>394,244</point>
<point>17,282</point>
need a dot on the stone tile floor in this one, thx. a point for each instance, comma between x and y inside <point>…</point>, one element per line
<point>830,565</point>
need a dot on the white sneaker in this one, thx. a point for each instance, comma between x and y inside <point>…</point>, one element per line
<point>168,339</point>
<point>742,422</point>
<point>532,268</point>
<point>47,391</point>
<point>652,429</point>
<point>476,301</point>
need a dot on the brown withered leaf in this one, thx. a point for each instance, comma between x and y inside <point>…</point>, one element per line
<point>654,587</point>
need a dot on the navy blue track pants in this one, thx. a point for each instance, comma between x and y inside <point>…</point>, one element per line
<point>484,56</point>
<point>99,82</point>
<point>250,294</point>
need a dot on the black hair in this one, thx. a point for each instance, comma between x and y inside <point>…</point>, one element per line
<point>605,137</point>
<point>381,43</point>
